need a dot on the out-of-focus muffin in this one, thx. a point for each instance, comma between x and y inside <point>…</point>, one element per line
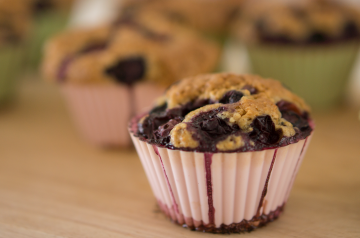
<point>309,45</point>
<point>111,72</point>
<point>49,17</point>
<point>210,17</point>
<point>221,151</point>
<point>14,29</point>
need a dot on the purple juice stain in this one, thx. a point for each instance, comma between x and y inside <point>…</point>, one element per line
<point>128,71</point>
<point>208,161</point>
<point>176,208</point>
<point>264,192</point>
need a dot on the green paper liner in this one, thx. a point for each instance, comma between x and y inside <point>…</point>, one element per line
<point>319,73</point>
<point>45,26</point>
<point>10,67</point>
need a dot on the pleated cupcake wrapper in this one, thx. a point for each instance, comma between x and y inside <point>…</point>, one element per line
<point>222,188</point>
<point>317,73</point>
<point>10,62</point>
<point>102,112</point>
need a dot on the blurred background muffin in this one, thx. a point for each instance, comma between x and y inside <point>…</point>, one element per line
<point>309,45</point>
<point>49,17</point>
<point>14,29</point>
<point>211,18</point>
<point>111,72</point>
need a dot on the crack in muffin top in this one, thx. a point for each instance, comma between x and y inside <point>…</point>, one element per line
<point>226,112</point>
<point>301,22</point>
<point>148,48</point>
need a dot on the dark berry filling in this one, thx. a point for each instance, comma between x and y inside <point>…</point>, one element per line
<point>208,129</point>
<point>128,71</point>
<point>150,129</point>
<point>231,97</point>
<point>264,131</point>
<point>251,89</point>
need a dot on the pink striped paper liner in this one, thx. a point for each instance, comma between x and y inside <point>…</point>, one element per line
<point>221,190</point>
<point>102,112</point>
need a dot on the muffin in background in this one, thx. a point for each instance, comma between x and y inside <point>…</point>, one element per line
<point>14,29</point>
<point>221,151</point>
<point>49,17</point>
<point>308,45</point>
<point>212,18</point>
<point>112,72</point>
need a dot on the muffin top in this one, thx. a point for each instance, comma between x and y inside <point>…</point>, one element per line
<point>298,22</point>
<point>212,16</point>
<point>148,48</point>
<point>225,113</point>
<point>37,7</point>
<point>14,22</point>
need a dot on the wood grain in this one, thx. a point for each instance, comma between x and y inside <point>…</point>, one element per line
<point>53,184</point>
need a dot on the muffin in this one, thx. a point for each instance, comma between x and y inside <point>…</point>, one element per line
<point>221,151</point>
<point>14,27</point>
<point>49,17</point>
<point>309,45</point>
<point>112,72</point>
<point>212,18</point>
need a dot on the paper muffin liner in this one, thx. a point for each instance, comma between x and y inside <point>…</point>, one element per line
<point>221,192</point>
<point>45,26</point>
<point>317,73</point>
<point>10,62</point>
<point>102,112</point>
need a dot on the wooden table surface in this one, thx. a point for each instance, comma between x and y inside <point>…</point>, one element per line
<point>53,184</point>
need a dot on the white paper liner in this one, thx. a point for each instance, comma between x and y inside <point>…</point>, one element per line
<point>238,180</point>
<point>102,112</point>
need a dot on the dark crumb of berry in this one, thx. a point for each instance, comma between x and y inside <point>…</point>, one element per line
<point>128,71</point>
<point>231,97</point>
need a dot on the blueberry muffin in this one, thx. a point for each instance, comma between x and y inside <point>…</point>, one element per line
<point>140,57</point>
<point>49,17</point>
<point>210,17</point>
<point>308,45</point>
<point>14,29</point>
<point>215,147</point>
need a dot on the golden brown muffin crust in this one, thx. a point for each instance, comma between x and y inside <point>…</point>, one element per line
<point>242,113</point>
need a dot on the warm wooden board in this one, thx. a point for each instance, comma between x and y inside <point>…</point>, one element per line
<point>53,184</point>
